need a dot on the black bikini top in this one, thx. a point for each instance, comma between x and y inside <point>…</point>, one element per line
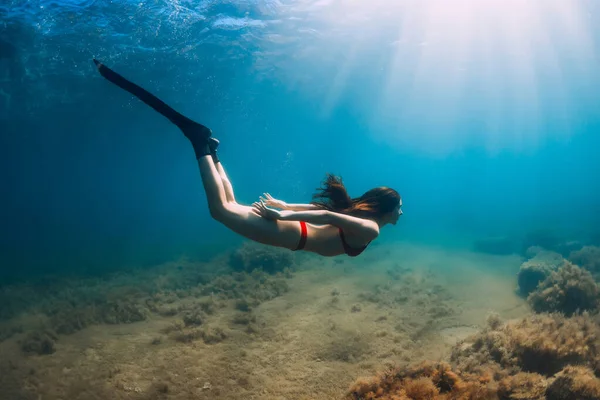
<point>351,251</point>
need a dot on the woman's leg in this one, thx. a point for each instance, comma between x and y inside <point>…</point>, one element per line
<point>214,144</point>
<point>213,187</point>
<point>239,218</point>
<point>226,183</point>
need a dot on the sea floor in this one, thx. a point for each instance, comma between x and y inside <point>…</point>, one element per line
<point>339,320</point>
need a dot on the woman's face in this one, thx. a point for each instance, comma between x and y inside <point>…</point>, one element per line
<point>396,213</point>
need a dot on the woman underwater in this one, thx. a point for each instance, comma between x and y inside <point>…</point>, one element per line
<point>332,224</point>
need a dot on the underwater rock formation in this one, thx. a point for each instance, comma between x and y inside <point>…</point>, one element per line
<point>244,291</point>
<point>537,268</point>
<point>122,298</point>
<point>540,357</point>
<point>553,355</point>
<point>251,256</point>
<point>70,319</point>
<point>574,382</point>
<point>587,257</point>
<point>39,342</point>
<point>542,344</point>
<point>210,335</point>
<point>194,317</point>
<point>568,290</point>
<point>422,382</point>
<point>250,289</point>
<point>179,289</point>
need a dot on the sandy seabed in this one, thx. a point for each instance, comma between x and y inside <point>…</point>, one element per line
<point>340,319</point>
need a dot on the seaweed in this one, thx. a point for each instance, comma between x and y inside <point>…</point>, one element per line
<point>40,342</point>
<point>425,381</point>
<point>543,344</point>
<point>568,290</point>
<point>69,319</point>
<point>587,257</point>
<point>250,289</point>
<point>574,382</point>
<point>252,255</point>
<point>210,335</point>
<point>194,317</point>
<point>541,357</point>
<point>537,268</point>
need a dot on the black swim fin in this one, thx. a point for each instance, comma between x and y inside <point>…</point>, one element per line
<point>197,133</point>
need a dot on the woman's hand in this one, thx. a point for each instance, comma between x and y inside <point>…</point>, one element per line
<point>268,200</point>
<point>259,208</point>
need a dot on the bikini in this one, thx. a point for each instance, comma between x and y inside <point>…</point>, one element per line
<point>351,251</point>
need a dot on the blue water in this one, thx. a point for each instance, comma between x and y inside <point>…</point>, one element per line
<point>483,115</point>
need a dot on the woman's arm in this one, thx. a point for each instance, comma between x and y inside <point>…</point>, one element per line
<point>299,207</point>
<point>273,202</point>
<point>364,228</point>
<point>317,217</point>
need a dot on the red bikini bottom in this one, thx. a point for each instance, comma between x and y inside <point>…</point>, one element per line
<point>302,241</point>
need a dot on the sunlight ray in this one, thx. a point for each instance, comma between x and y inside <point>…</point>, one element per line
<point>504,61</point>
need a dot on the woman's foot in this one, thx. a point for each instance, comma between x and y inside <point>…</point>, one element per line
<point>200,137</point>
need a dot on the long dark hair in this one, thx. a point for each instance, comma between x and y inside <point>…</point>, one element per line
<point>375,203</point>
